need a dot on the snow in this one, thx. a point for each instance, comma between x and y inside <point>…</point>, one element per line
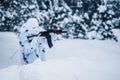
<point>102,8</point>
<point>117,32</point>
<point>67,60</point>
<point>8,47</point>
<point>32,6</point>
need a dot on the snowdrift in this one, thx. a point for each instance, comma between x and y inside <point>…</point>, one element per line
<point>9,49</point>
<point>71,60</point>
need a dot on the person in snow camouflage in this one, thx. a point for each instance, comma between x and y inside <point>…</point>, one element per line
<point>33,47</point>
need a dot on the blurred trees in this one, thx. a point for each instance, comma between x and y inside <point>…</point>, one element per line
<point>85,19</point>
<point>15,12</point>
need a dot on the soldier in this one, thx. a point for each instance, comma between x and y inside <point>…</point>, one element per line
<point>31,48</point>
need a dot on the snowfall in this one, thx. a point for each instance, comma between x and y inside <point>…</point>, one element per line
<point>67,60</point>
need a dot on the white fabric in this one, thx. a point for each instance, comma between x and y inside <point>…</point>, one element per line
<point>30,48</point>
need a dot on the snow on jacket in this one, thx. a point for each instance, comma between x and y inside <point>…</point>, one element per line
<point>31,46</point>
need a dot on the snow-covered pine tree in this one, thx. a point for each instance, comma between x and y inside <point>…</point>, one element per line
<point>16,12</point>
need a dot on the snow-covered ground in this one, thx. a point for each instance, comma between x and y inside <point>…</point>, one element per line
<point>67,60</point>
<point>8,48</point>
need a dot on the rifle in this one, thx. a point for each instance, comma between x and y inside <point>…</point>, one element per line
<point>47,35</point>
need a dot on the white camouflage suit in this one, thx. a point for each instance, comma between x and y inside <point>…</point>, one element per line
<point>33,47</point>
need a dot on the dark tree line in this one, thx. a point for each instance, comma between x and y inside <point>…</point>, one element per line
<point>79,17</point>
